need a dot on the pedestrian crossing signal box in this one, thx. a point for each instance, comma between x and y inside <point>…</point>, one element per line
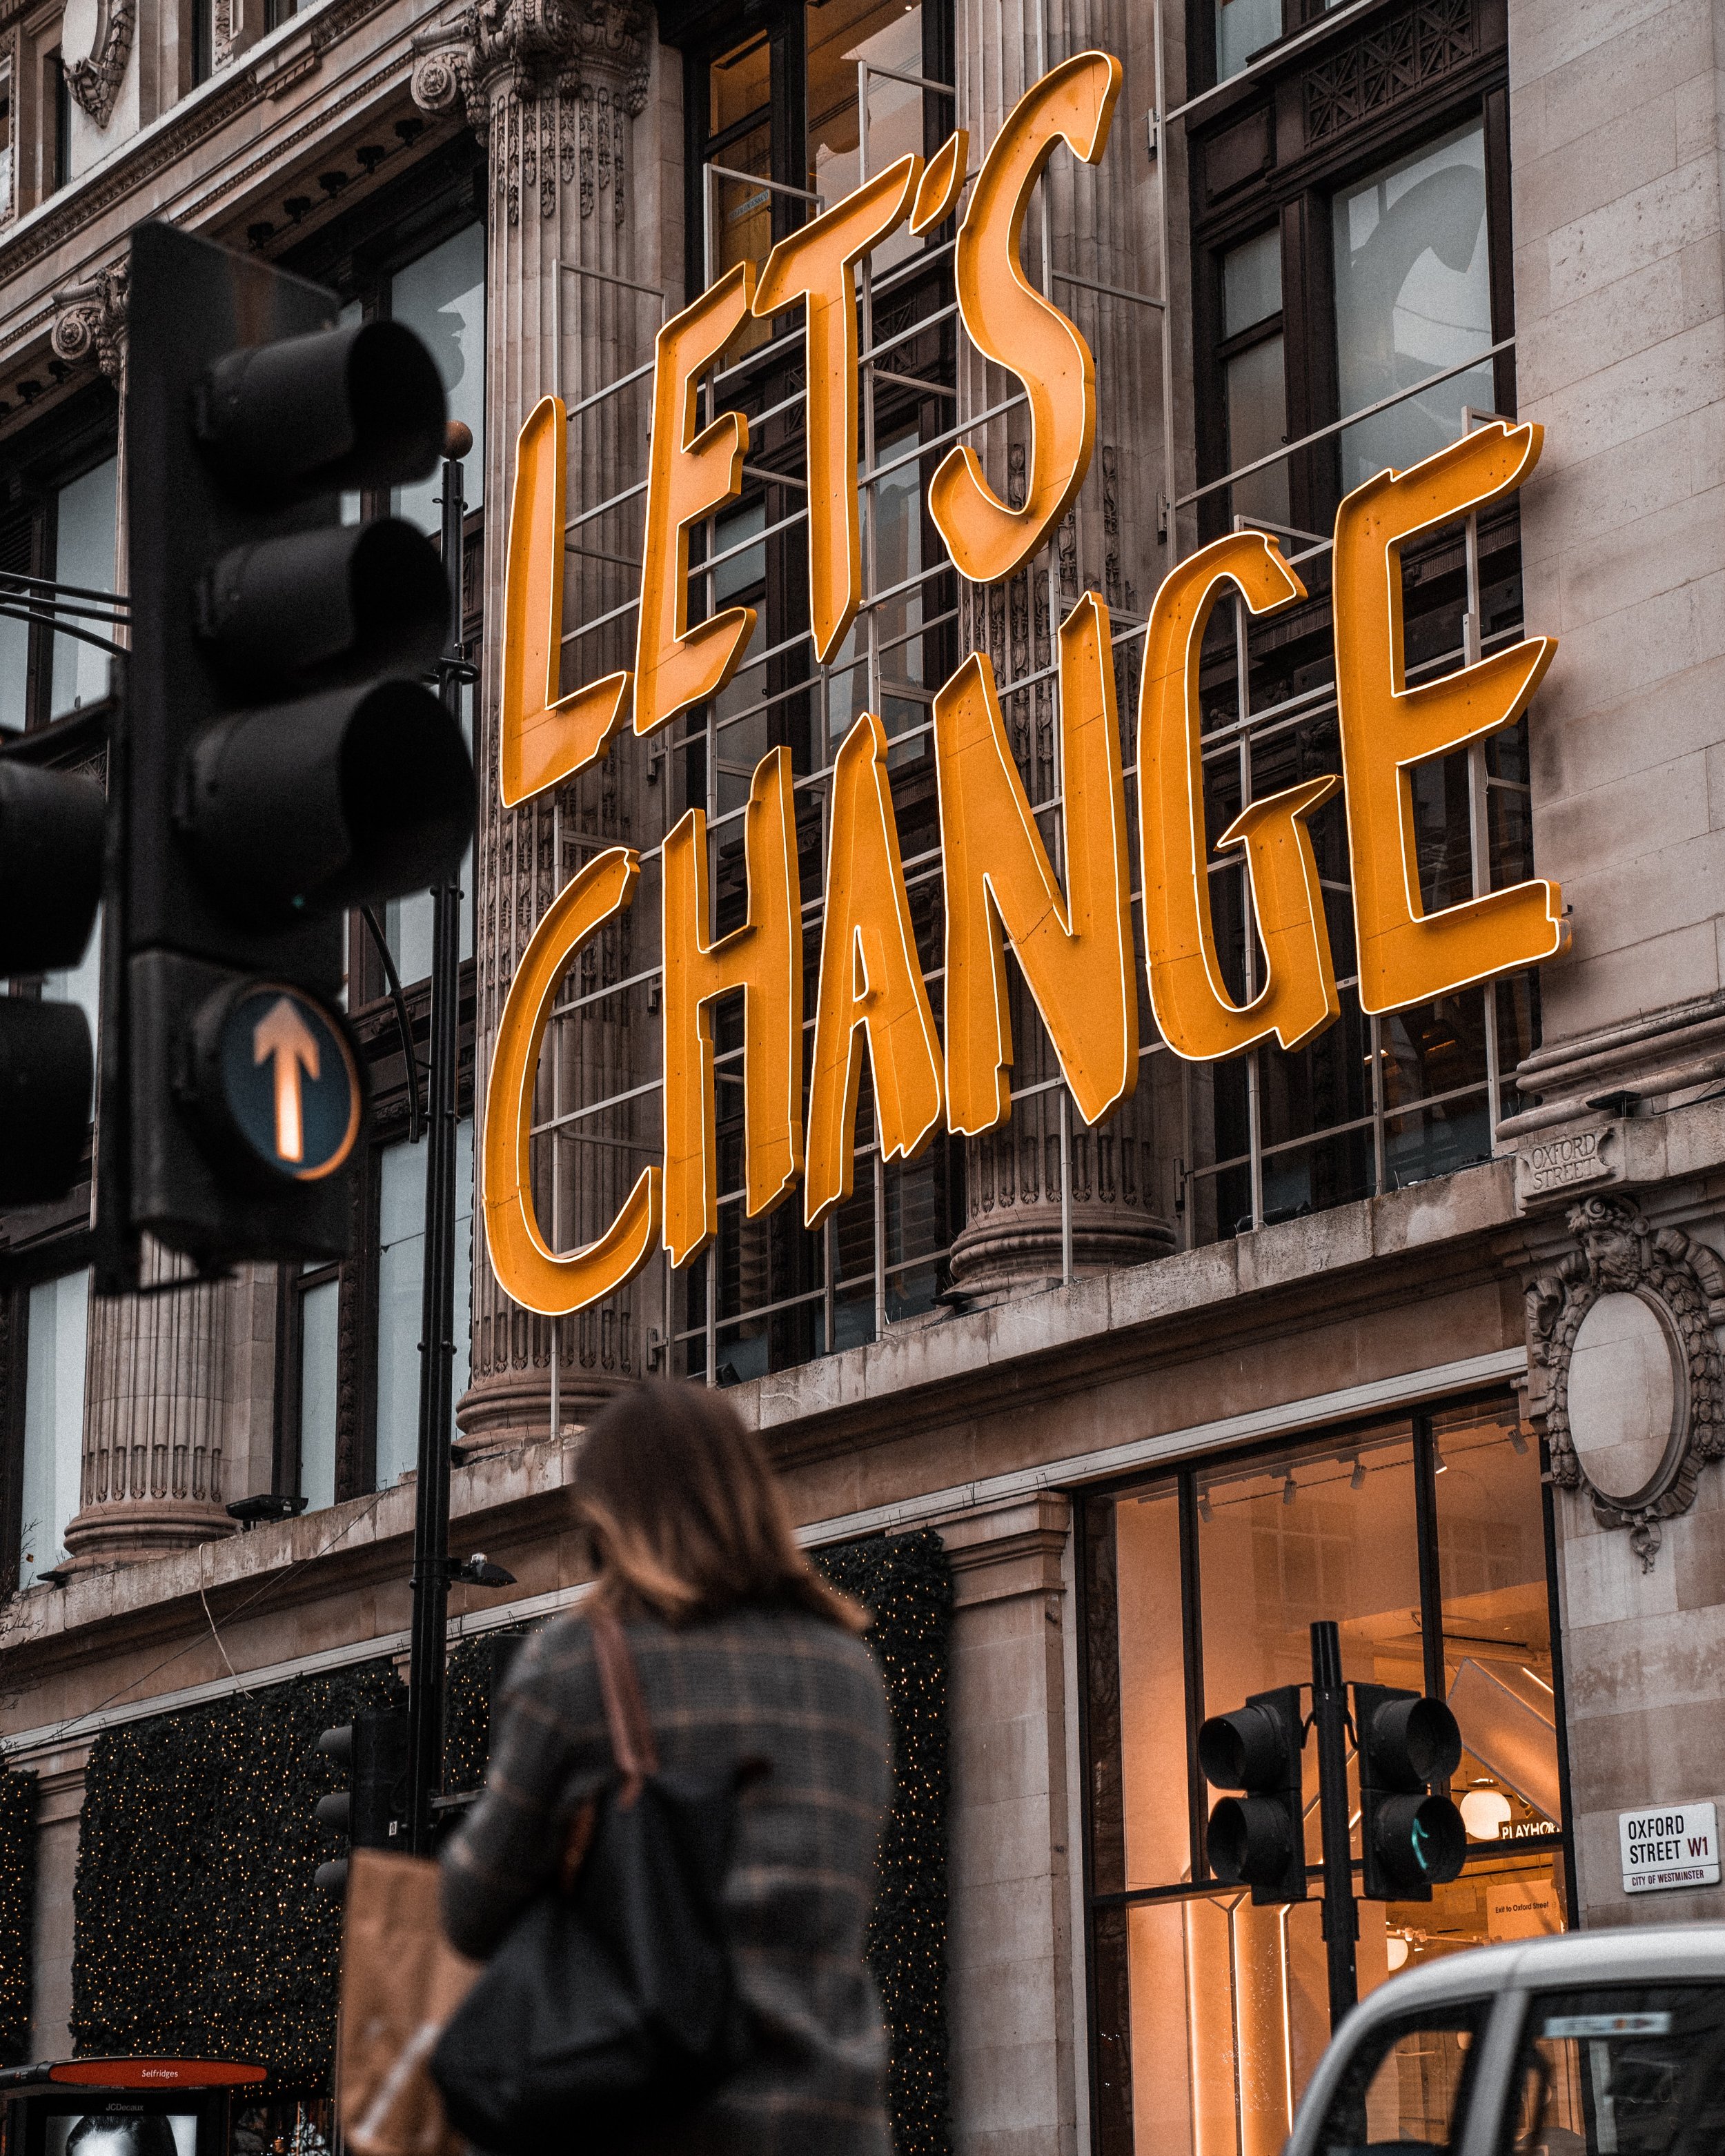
<point>143,2107</point>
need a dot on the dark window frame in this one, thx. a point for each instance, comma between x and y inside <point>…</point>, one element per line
<point>1293,183</point>
<point>1098,1687</point>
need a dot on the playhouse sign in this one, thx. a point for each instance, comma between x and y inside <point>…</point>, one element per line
<point>1071,939</point>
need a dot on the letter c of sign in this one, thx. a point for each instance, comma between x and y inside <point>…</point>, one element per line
<point>527,1269</point>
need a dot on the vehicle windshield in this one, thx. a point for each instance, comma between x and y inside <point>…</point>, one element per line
<point>1629,2070</point>
<point>1405,2088</point>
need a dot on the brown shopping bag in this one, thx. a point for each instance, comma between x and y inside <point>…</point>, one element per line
<point>401,1980</point>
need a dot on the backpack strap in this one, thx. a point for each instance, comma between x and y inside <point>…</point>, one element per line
<point>632,1745</point>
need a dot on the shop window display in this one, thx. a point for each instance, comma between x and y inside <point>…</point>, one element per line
<point>1425,1539</point>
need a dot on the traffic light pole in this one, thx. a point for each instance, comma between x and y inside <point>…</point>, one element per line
<point>437,1330</point>
<point>1341,1918</point>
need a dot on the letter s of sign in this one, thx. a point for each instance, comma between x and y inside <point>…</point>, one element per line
<point>1198,1018</point>
<point>544,737</point>
<point>527,1269</point>
<point>1010,322</point>
<point>1407,956</point>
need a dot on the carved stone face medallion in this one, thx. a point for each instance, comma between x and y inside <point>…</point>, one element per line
<point>1626,1367</point>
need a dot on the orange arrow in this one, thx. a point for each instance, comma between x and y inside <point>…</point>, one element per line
<point>283,1033</point>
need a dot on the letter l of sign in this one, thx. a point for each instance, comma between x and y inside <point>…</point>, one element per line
<point>544,737</point>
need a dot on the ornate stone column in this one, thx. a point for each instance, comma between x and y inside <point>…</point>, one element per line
<point>1122,1172</point>
<point>556,90</point>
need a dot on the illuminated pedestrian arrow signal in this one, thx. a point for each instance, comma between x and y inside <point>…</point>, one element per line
<point>284,1039</point>
<point>289,1085</point>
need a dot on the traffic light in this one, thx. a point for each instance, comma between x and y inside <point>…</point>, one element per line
<point>281,759</point>
<point>373,1749</point>
<point>1410,1840</point>
<point>1258,1840</point>
<point>51,838</point>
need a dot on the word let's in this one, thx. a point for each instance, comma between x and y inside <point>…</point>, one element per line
<point>1072,940</point>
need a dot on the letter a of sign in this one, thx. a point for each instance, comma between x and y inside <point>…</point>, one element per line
<point>1198,1019</point>
<point>1407,956</point>
<point>763,958</point>
<point>528,1270</point>
<point>1076,953</point>
<point>1011,323</point>
<point>870,981</point>
<point>544,737</point>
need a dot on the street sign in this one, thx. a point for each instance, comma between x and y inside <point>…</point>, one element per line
<point>1669,1845</point>
<point>283,1078</point>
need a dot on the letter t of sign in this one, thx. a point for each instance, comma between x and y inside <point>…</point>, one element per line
<point>1407,956</point>
<point>817,265</point>
<point>763,958</point>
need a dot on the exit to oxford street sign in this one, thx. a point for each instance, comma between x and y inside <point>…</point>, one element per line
<point>1669,1845</point>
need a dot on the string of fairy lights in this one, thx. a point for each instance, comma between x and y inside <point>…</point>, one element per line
<point>198,1931</point>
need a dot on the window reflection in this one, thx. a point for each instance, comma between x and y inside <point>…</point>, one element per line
<point>1243,28</point>
<point>401,1267</point>
<point>1253,379</point>
<point>84,534</point>
<point>1413,296</point>
<point>442,299</point>
<point>53,1420</point>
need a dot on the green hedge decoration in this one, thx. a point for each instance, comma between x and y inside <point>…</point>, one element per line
<point>199,1933</point>
<point>905,1583</point>
<point>18,1910</point>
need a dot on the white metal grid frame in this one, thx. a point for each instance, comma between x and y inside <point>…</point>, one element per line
<point>857,1300</point>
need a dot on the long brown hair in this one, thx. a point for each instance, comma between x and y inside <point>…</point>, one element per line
<point>685,1515</point>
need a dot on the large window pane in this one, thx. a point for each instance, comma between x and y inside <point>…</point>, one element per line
<point>442,298</point>
<point>320,1312</point>
<point>1155,1831</point>
<point>843,33</point>
<point>1242,28</point>
<point>1497,1658</point>
<point>84,554</point>
<point>1323,1529</point>
<point>401,1261</point>
<point>1413,296</point>
<point>1257,425</point>
<point>53,1420</point>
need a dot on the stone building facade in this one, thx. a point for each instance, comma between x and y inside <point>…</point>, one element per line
<point>1416,1327</point>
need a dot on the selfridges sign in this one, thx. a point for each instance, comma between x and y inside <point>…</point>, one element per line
<point>1073,939</point>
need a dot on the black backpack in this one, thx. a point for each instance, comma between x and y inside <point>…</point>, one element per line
<point>611,2004</point>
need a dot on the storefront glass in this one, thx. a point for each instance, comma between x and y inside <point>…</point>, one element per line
<point>1424,1538</point>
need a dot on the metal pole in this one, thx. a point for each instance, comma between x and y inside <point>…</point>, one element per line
<point>437,1327</point>
<point>1329,1711</point>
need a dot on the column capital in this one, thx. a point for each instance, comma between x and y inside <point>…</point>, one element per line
<point>90,322</point>
<point>519,47</point>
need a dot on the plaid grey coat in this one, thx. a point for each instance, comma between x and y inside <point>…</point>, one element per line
<point>776,1685</point>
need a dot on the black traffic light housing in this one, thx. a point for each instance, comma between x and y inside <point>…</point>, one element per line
<point>281,760</point>
<point>372,1748</point>
<point>1412,1838</point>
<point>52,828</point>
<point>1259,1838</point>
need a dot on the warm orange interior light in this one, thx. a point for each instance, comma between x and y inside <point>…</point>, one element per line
<point>1010,322</point>
<point>688,475</point>
<point>817,264</point>
<point>870,983</point>
<point>1077,952</point>
<point>544,736</point>
<point>763,958</point>
<point>1407,956</point>
<point>528,1269</point>
<point>1198,1017</point>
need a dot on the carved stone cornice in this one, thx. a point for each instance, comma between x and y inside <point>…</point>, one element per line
<point>94,80</point>
<point>90,322</point>
<point>1618,1252</point>
<point>502,48</point>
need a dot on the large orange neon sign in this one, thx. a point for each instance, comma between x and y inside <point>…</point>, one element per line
<point>1061,909</point>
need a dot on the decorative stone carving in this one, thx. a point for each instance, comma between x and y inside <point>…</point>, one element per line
<point>94,80</point>
<point>1630,1429</point>
<point>497,52</point>
<point>90,322</point>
